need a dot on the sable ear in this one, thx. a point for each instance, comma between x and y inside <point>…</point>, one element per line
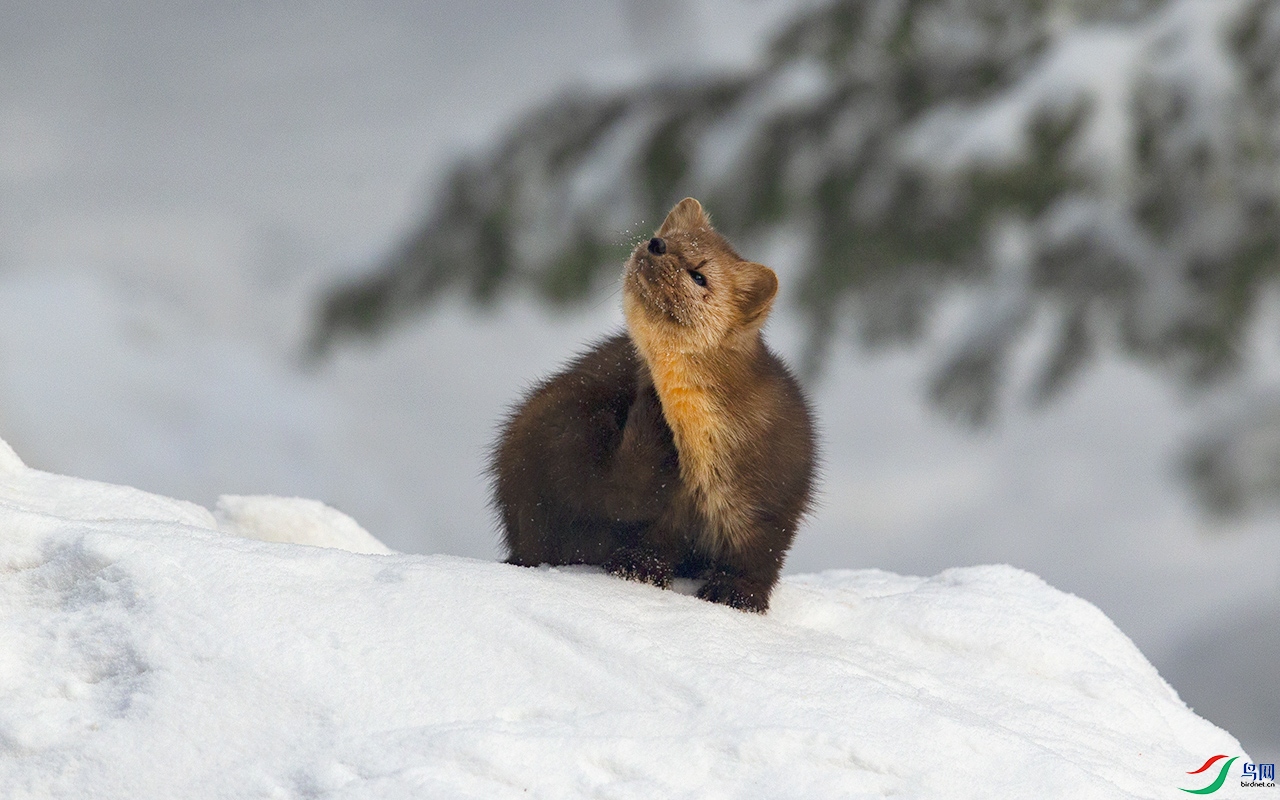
<point>761,287</point>
<point>686,216</point>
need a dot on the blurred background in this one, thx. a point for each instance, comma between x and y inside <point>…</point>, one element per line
<point>1027,254</point>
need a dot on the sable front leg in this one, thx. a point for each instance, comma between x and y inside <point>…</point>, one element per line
<point>745,578</point>
<point>642,564</point>
<point>644,470</point>
<point>652,556</point>
<point>738,591</point>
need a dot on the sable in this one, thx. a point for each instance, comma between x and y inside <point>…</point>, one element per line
<point>682,448</point>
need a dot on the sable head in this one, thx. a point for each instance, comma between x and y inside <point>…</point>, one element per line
<point>686,288</point>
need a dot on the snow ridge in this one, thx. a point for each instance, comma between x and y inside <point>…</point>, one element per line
<point>149,654</point>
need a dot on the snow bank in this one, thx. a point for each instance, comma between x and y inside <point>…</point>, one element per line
<point>149,655</point>
<point>294,520</point>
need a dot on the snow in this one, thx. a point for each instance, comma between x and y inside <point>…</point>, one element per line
<point>293,520</point>
<point>1104,65</point>
<point>150,654</point>
<point>1098,64</point>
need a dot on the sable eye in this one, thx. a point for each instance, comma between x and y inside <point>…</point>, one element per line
<point>698,277</point>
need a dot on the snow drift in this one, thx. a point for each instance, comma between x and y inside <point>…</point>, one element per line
<point>147,653</point>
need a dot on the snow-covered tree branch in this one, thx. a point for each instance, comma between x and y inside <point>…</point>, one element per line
<point>1104,171</point>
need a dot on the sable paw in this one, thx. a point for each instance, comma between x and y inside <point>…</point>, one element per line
<point>736,592</point>
<point>639,564</point>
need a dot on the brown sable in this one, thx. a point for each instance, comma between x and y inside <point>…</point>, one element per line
<point>681,448</point>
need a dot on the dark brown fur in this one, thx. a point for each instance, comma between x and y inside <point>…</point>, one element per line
<point>588,469</point>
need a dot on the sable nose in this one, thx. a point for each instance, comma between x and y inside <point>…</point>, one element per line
<point>657,246</point>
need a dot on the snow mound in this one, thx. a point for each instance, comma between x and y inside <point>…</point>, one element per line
<point>293,520</point>
<point>149,655</point>
<point>9,461</point>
